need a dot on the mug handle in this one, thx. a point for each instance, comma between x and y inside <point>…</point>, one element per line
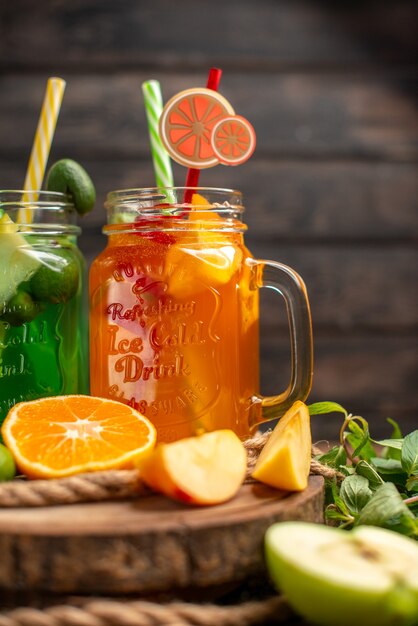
<point>289,284</point>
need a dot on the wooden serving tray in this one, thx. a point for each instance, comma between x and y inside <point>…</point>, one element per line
<point>146,545</point>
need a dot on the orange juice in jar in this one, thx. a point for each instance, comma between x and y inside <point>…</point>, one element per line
<point>174,314</point>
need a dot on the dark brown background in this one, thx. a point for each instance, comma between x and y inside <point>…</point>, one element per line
<point>331,88</point>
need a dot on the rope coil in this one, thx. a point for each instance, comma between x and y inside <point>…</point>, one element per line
<point>112,484</point>
<point>106,612</point>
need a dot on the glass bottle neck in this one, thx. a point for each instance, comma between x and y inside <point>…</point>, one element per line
<point>174,209</point>
<point>37,212</point>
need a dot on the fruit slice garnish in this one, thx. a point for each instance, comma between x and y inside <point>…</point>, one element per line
<point>58,277</point>
<point>186,125</point>
<point>209,260</point>
<point>208,469</point>
<point>199,213</point>
<point>209,265</point>
<point>69,177</point>
<point>205,222</point>
<point>18,260</point>
<point>285,460</point>
<point>233,140</point>
<point>21,308</point>
<point>64,435</point>
<point>333,577</point>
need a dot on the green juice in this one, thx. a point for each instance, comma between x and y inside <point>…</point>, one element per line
<point>42,357</point>
<point>43,333</point>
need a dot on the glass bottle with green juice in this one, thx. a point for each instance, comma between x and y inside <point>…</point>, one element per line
<point>43,325</point>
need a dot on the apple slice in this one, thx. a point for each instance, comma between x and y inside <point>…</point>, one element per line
<point>367,576</point>
<point>285,460</point>
<point>18,260</point>
<point>208,469</point>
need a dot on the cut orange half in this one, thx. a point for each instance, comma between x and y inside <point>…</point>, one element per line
<point>64,435</point>
<point>186,125</point>
<point>233,140</point>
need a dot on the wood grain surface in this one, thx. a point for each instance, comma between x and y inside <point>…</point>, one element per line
<point>296,115</point>
<point>237,33</point>
<point>146,545</point>
<point>332,189</point>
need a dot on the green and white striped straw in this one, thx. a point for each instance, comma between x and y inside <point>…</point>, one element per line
<point>153,108</point>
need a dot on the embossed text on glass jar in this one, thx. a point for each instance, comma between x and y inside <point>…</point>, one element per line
<point>174,314</point>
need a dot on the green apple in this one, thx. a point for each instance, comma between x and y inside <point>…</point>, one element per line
<point>7,464</point>
<point>364,577</point>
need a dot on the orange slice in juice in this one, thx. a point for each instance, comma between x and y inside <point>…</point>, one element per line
<point>233,140</point>
<point>186,125</point>
<point>64,435</point>
<point>203,220</point>
<point>209,260</point>
<point>193,267</point>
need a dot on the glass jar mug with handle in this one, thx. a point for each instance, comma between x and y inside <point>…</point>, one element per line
<point>174,314</point>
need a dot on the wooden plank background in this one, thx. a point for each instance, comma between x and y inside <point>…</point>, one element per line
<point>331,89</point>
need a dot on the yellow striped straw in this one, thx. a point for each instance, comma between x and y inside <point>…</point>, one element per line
<point>42,144</point>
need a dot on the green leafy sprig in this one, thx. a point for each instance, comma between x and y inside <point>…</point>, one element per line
<point>380,484</point>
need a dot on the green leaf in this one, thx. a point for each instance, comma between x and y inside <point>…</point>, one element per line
<point>320,408</point>
<point>390,452</point>
<point>355,492</point>
<point>412,483</point>
<point>390,443</point>
<point>341,505</point>
<point>365,469</point>
<point>396,432</point>
<point>333,458</point>
<point>414,509</point>
<point>339,502</point>
<point>404,524</point>
<point>392,448</point>
<point>386,466</point>
<point>385,505</point>
<point>328,458</point>
<point>409,454</point>
<point>359,440</point>
<point>329,498</point>
<point>331,513</point>
<point>347,470</point>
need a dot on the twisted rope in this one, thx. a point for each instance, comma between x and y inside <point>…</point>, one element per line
<point>113,484</point>
<point>103,612</point>
<point>90,487</point>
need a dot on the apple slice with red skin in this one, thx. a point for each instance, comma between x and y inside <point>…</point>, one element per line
<point>202,470</point>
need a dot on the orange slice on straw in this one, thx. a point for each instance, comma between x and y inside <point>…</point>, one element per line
<point>64,435</point>
<point>186,125</point>
<point>233,140</point>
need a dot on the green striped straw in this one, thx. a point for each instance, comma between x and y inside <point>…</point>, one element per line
<point>153,108</point>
